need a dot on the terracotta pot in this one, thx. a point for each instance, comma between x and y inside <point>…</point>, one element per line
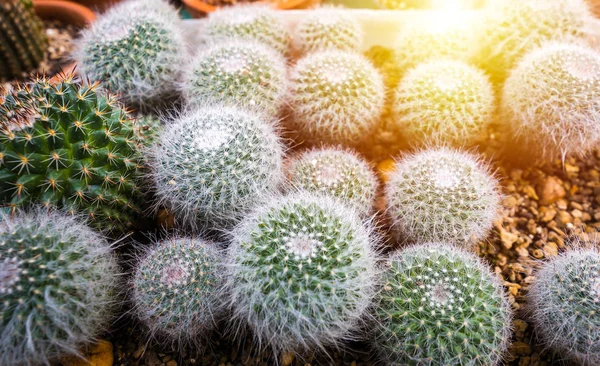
<point>198,8</point>
<point>98,5</point>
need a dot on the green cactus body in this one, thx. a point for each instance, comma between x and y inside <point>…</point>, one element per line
<point>70,145</point>
<point>22,39</point>
<point>301,272</point>
<point>444,101</point>
<point>58,283</point>
<point>440,305</point>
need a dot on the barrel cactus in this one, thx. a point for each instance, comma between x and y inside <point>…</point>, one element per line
<point>442,195</point>
<point>440,305</point>
<point>236,71</point>
<point>22,41</point>
<point>337,97</point>
<point>58,283</point>
<point>69,144</point>
<point>301,273</point>
<point>552,100</point>
<point>445,101</point>
<point>213,163</point>
<point>177,290</point>
<point>337,172</point>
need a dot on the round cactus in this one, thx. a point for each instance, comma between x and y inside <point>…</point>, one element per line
<point>337,96</point>
<point>327,28</point>
<point>213,163</point>
<point>301,272</point>
<point>177,290</point>
<point>137,49</point>
<point>512,28</point>
<point>240,72</point>
<point>440,305</point>
<point>58,282</point>
<point>564,305</point>
<point>442,195</point>
<point>552,99</point>
<point>69,144</point>
<point>339,173</point>
<point>445,101</point>
<point>249,21</point>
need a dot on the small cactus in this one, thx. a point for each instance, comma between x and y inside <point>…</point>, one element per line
<point>177,290</point>
<point>249,21</point>
<point>564,305</point>
<point>337,172</point>
<point>337,96</point>
<point>213,163</point>
<point>440,305</point>
<point>551,99</point>
<point>512,28</point>
<point>58,282</point>
<point>442,195</point>
<point>69,144</point>
<point>444,101</point>
<point>301,272</point>
<point>236,71</point>
<point>327,28</point>
<point>138,49</point>
<point>22,41</point>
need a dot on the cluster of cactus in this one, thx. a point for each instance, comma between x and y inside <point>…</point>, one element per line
<point>22,39</point>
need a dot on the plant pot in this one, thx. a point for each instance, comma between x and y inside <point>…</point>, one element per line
<point>98,6</point>
<point>199,8</point>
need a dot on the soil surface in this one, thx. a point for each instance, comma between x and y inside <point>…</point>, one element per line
<point>60,39</point>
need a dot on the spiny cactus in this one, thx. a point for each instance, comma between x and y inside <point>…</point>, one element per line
<point>177,290</point>
<point>552,99</point>
<point>337,172</point>
<point>249,21</point>
<point>442,195</point>
<point>564,304</point>
<point>445,101</point>
<point>337,96</point>
<point>58,283</point>
<point>213,163</point>
<point>440,305</point>
<point>69,144</point>
<point>22,39</point>
<point>237,71</point>
<point>137,49</point>
<point>146,129</point>
<point>512,28</point>
<point>301,272</point>
<point>327,28</point>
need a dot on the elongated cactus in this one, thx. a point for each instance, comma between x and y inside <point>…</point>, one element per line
<point>58,283</point>
<point>71,145</point>
<point>22,39</point>
<point>440,305</point>
<point>301,272</point>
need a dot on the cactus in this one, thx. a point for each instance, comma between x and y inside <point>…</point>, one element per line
<point>512,28</point>
<point>446,101</point>
<point>551,100</point>
<point>340,173</point>
<point>337,96</point>
<point>137,49</point>
<point>442,195</point>
<point>301,272</point>
<point>249,21</point>
<point>243,72</point>
<point>177,290</point>
<point>22,39</point>
<point>213,163</point>
<point>564,305</point>
<point>58,283</point>
<point>146,129</point>
<point>440,305</point>
<point>69,144</point>
<point>403,4</point>
<point>327,28</point>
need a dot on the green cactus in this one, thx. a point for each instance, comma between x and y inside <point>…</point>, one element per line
<point>22,40</point>
<point>69,144</point>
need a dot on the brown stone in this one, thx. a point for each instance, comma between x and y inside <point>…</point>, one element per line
<point>550,190</point>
